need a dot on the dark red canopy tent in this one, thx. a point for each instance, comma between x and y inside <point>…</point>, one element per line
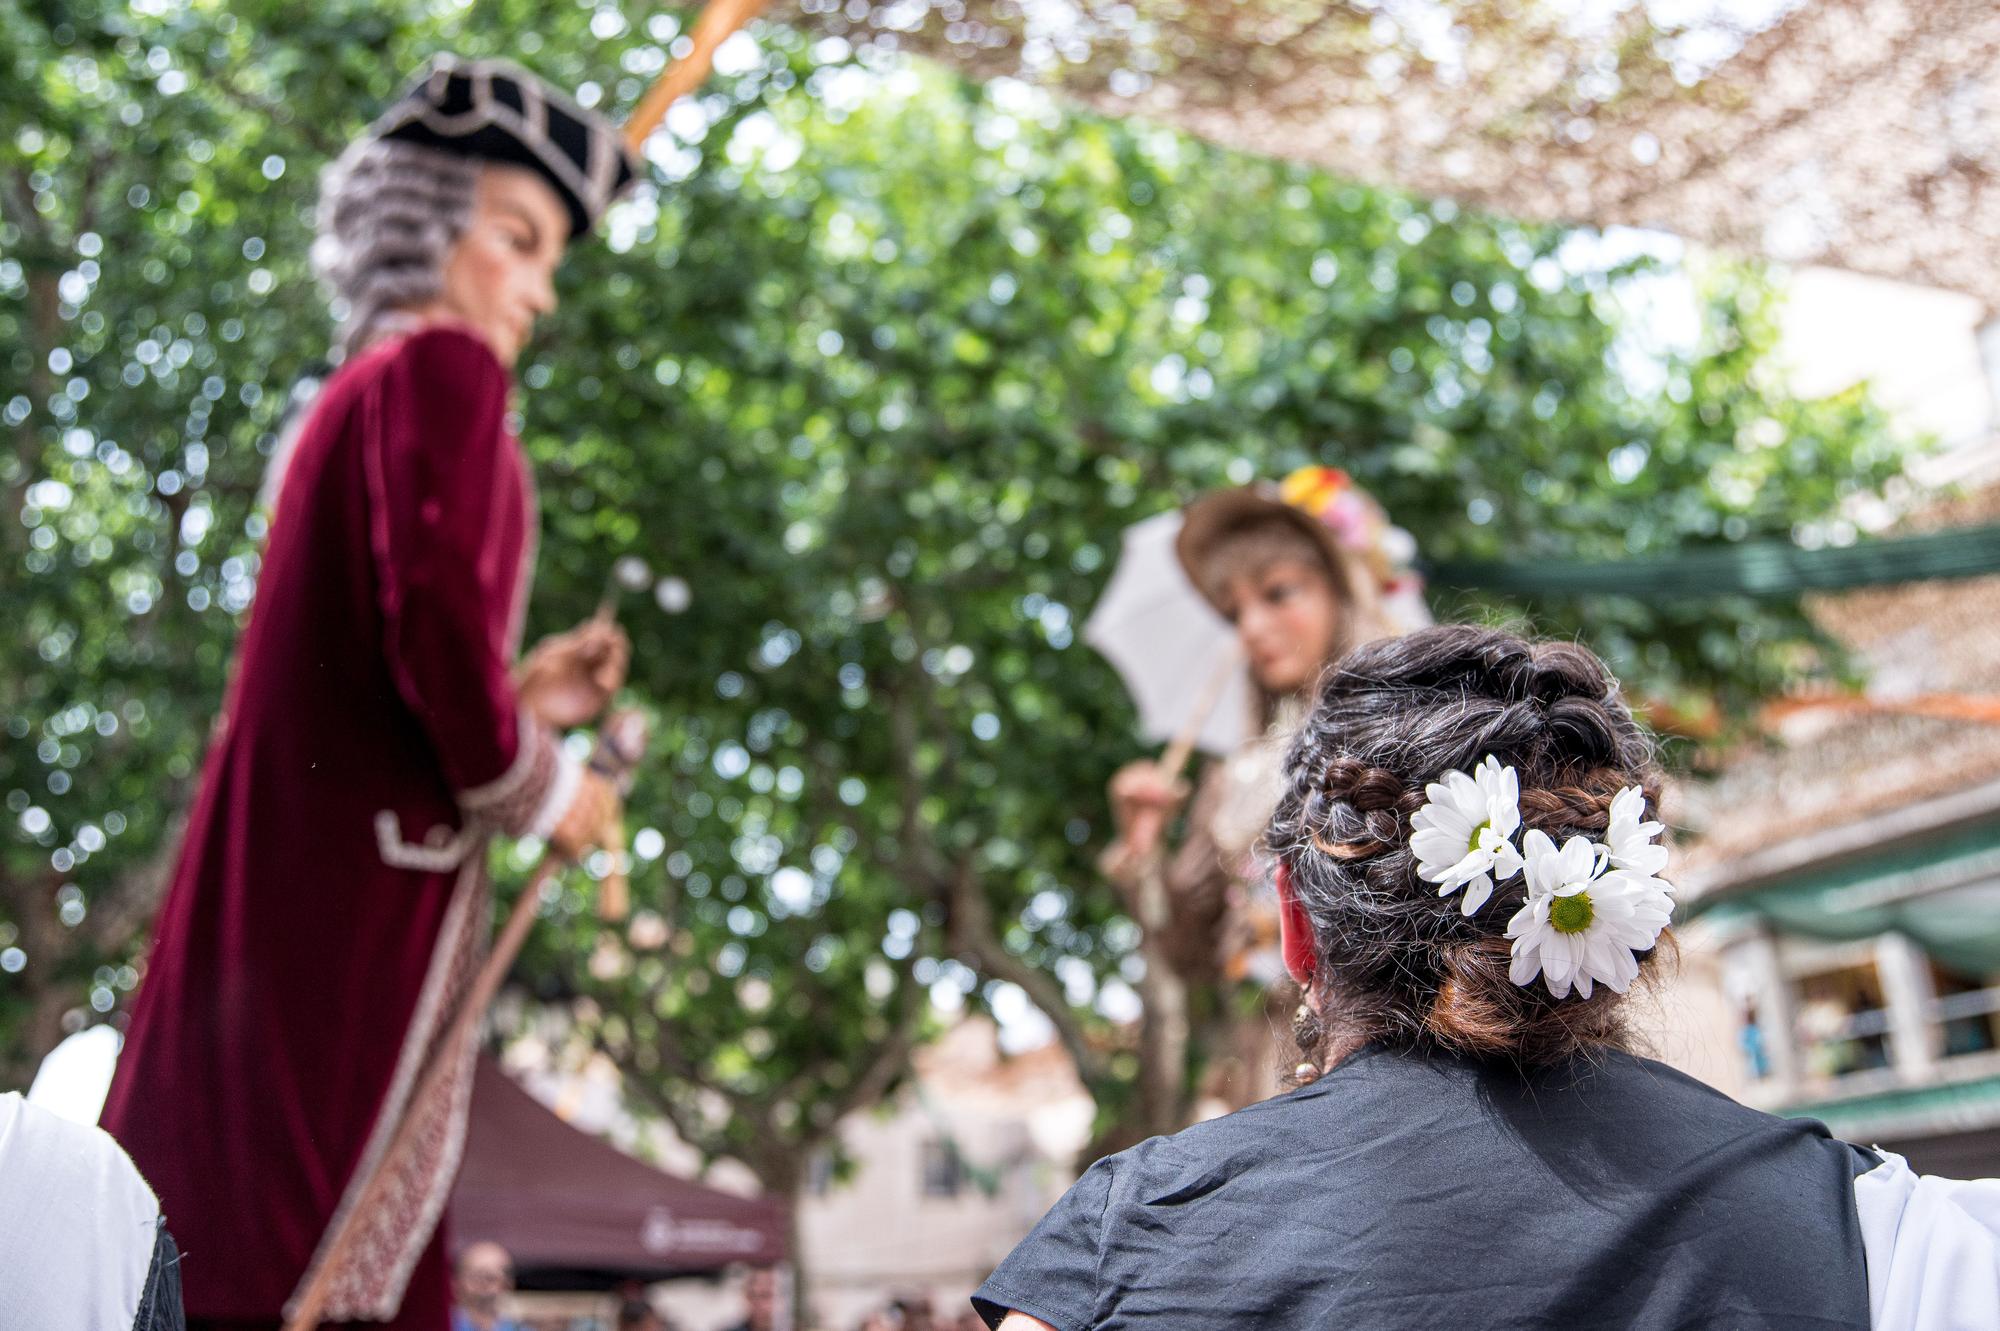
<point>576,1212</point>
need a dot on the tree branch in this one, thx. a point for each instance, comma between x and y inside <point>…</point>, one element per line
<point>890,1059</point>
<point>973,933</point>
<point>697,1135</point>
<point>971,929</point>
<point>903,744</point>
<point>326,145</point>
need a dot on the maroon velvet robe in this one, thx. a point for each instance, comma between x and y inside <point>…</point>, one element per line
<point>329,901</point>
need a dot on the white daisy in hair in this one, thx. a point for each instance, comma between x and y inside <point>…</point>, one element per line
<point>1463,836</point>
<point>1582,926</point>
<point>1630,835</point>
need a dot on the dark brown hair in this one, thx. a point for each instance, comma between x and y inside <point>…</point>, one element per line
<point>1397,963</point>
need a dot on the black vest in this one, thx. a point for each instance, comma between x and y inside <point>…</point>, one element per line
<point>1400,1191</point>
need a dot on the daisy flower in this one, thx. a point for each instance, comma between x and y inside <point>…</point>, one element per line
<point>1581,925</point>
<point>1462,837</point>
<point>1630,838</point>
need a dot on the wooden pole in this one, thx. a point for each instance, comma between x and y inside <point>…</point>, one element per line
<point>1982,709</point>
<point>719,19</point>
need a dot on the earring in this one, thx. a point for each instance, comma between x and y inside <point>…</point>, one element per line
<point>1307,1032</point>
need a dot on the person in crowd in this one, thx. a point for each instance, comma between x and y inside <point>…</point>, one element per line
<point>1304,571</point>
<point>914,1313</point>
<point>1470,885</point>
<point>329,905</point>
<point>760,1300</point>
<point>83,1246</point>
<point>639,1315</point>
<point>481,1279</point>
<point>1750,1036</point>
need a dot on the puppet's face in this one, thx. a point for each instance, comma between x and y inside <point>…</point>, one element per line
<point>500,275</point>
<point>1287,616</point>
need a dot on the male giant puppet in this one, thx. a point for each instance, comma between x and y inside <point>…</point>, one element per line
<point>329,904</point>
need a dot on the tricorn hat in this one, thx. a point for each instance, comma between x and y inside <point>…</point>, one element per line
<point>496,111</point>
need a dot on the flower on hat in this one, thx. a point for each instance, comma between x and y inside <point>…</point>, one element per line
<point>1584,922</point>
<point>1361,530</point>
<point>1312,489</point>
<point>1463,836</point>
<point>1331,498</point>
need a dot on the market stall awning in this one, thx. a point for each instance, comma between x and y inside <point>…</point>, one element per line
<point>575,1211</point>
<point>1859,133</point>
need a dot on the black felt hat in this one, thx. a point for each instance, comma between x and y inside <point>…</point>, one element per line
<point>496,111</point>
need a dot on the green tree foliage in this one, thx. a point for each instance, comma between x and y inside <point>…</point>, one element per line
<point>880,364</point>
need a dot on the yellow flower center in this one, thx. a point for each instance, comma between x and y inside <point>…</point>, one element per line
<point>1571,914</point>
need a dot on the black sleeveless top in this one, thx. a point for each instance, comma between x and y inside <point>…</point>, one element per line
<point>1407,1191</point>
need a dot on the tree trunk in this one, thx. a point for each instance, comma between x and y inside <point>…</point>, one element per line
<point>794,1244</point>
<point>1165,1027</point>
<point>782,1173</point>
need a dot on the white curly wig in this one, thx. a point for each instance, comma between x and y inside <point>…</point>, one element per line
<point>389,213</point>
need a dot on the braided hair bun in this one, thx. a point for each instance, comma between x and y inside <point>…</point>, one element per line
<point>1396,963</point>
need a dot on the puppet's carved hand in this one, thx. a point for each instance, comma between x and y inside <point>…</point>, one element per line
<point>569,677</point>
<point>1143,800</point>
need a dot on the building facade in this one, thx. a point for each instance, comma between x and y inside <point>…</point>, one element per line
<point>1847,878</point>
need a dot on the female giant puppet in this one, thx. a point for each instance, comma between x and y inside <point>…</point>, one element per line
<point>1304,571</point>
<point>329,904</point>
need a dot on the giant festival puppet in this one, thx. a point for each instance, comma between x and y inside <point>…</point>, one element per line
<point>298,1069</point>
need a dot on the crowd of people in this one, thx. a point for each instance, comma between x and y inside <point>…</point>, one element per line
<point>483,1281</point>
<point>916,1313</point>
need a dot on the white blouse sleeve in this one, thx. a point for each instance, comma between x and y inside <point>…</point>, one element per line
<point>1933,1247</point>
<point>77,1224</point>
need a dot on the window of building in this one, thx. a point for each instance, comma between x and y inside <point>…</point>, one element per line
<point>1966,1010</point>
<point>819,1173</point>
<point>944,1172</point>
<point>1843,1025</point>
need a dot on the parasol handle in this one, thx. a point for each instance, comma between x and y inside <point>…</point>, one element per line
<point>1148,825</point>
<point>719,19</point>
<point>1175,759</point>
